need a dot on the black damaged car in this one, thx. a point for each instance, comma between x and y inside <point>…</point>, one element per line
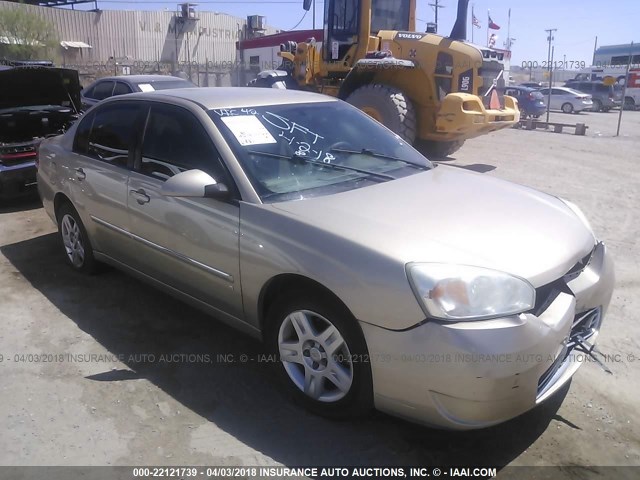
<point>36,101</point>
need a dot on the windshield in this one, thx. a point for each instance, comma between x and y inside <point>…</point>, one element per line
<point>389,15</point>
<point>297,151</point>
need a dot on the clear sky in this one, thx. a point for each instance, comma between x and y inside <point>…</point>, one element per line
<point>578,21</point>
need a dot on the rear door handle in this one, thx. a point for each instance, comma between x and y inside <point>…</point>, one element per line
<point>80,175</point>
<point>140,196</point>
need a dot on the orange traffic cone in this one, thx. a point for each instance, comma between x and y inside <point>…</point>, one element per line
<point>494,104</point>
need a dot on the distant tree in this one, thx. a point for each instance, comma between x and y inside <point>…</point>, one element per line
<point>25,35</point>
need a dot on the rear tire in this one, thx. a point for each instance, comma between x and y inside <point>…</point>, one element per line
<point>597,106</point>
<point>322,356</point>
<point>567,108</point>
<point>629,103</point>
<point>75,241</point>
<point>389,106</point>
<point>433,150</point>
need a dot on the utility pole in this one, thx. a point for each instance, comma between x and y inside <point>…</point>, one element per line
<point>550,38</point>
<point>436,6</point>
<point>314,14</point>
<point>550,85</point>
<point>595,47</point>
<point>549,57</point>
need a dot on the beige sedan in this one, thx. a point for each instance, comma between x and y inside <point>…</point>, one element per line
<point>376,278</point>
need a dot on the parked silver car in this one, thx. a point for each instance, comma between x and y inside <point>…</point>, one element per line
<point>375,277</point>
<point>567,99</point>
<point>106,87</point>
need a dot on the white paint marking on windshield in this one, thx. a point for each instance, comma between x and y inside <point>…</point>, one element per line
<point>289,126</point>
<point>232,112</point>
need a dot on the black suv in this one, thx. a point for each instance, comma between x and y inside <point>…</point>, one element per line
<point>605,97</point>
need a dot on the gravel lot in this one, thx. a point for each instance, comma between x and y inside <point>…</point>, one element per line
<point>127,406</point>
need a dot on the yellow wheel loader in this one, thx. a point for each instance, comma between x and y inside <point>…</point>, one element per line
<point>433,91</point>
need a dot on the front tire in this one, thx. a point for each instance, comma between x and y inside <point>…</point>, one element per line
<point>597,106</point>
<point>75,241</point>
<point>389,106</point>
<point>322,356</point>
<point>434,150</point>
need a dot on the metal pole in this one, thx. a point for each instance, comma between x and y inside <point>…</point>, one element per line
<point>550,85</point>
<point>624,90</point>
<point>436,7</point>
<point>473,15</point>
<point>595,47</point>
<point>509,32</point>
<point>314,14</point>
<point>550,39</point>
<point>488,15</point>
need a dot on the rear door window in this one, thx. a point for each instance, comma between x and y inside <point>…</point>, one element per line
<point>81,140</point>
<point>113,133</point>
<point>121,89</point>
<point>102,90</point>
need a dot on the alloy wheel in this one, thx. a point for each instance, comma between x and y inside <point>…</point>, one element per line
<point>72,240</point>
<point>315,356</point>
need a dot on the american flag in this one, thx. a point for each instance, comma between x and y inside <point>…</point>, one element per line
<point>476,22</point>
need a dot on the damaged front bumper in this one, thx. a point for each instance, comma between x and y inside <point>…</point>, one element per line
<point>468,375</point>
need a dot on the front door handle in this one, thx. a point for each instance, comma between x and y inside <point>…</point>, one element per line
<point>140,196</point>
<point>80,175</point>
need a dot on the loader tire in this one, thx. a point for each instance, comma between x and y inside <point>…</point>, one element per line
<point>389,106</point>
<point>434,150</point>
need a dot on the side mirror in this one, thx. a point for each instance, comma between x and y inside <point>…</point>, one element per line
<point>194,183</point>
<point>306,4</point>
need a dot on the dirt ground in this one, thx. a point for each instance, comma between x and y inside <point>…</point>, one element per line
<point>125,405</point>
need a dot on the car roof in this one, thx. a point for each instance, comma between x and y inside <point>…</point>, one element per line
<point>142,78</point>
<point>588,82</point>
<point>524,88</point>
<point>232,97</point>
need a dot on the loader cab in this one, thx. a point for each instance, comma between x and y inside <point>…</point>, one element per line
<point>349,25</point>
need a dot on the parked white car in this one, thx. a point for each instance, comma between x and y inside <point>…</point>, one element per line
<point>567,99</point>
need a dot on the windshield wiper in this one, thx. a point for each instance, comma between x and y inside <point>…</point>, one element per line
<point>371,153</point>
<point>336,166</point>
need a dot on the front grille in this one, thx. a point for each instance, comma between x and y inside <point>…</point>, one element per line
<point>585,325</point>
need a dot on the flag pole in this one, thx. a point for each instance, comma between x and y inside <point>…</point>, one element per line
<point>488,17</point>
<point>509,32</point>
<point>473,15</point>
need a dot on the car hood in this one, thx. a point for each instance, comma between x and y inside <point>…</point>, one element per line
<point>448,215</point>
<point>29,86</point>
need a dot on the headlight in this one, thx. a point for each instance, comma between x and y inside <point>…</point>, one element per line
<point>459,292</point>
<point>575,209</point>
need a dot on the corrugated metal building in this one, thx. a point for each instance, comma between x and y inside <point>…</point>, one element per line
<point>145,41</point>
